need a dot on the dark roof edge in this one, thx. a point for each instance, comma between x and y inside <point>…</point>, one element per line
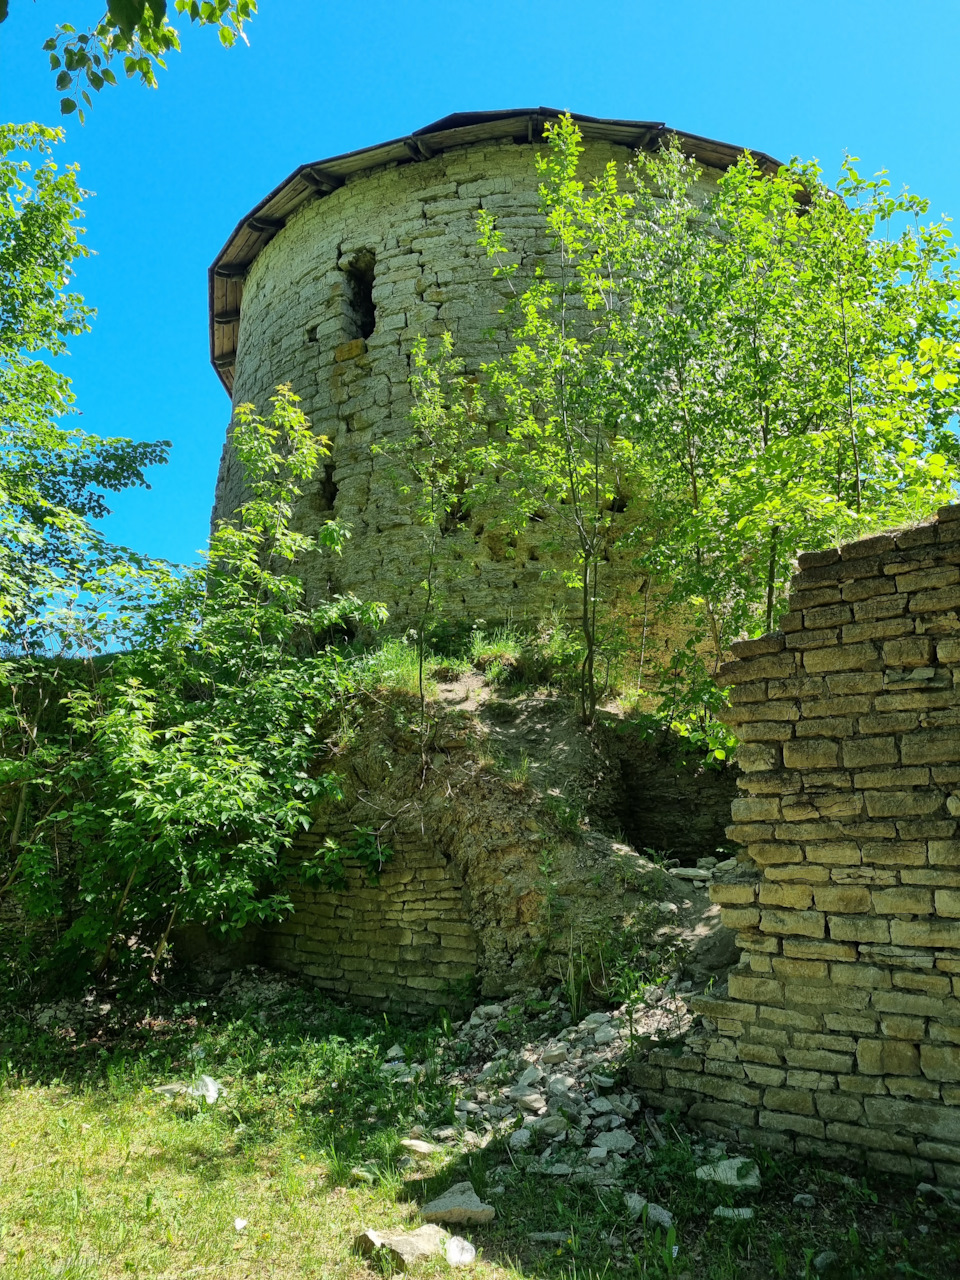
<point>258,227</point>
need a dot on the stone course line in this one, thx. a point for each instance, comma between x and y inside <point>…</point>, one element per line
<point>839,1032</point>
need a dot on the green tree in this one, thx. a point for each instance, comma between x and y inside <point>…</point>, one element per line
<point>762,330</point>
<point>166,782</point>
<point>758,366</point>
<point>137,32</point>
<point>439,463</point>
<point>559,450</point>
<point>54,480</point>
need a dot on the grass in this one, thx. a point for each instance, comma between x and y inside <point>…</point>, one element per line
<point>102,1178</point>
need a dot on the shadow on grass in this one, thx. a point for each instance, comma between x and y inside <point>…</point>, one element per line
<point>303,1074</point>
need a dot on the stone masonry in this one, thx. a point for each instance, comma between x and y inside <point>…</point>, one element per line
<point>333,304</point>
<point>404,943</point>
<point>839,1034</point>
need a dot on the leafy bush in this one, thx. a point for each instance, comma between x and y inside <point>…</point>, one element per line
<point>167,783</point>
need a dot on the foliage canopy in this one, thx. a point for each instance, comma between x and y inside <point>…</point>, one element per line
<point>139,33</point>
<point>710,376</point>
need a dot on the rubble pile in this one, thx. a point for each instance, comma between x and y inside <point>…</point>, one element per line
<point>559,1100</point>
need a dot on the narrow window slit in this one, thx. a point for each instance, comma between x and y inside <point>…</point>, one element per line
<point>361,314</point>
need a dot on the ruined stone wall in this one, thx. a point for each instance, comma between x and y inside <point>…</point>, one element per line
<point>401,942</point>
<point>839,1033</point>
<point>409,229</point>
<point>489,890</point>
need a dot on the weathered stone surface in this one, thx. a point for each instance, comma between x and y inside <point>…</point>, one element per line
<point>738,1171</point>
<point>405,1248</point>
<point>840,1032</point>
<point>460,1203</point>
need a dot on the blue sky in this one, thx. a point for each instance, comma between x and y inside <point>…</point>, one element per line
<point>173,170</point>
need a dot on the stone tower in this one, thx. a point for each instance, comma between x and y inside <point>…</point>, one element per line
<point>329,280</point>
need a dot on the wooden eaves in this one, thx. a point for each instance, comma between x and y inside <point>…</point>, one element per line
<point>314,181</point>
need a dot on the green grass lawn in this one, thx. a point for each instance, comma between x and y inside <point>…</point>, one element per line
<point>102,1177</point>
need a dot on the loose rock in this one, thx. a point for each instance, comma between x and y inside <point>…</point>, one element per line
<point>616,1140</point>
<point>404,1247</point>
<point>738,1171</point>
<point>734,1215</point>
<point>419,1147</point>
<point>657,1216</point>
<point>459,1204</point>
<point>459,1252</point>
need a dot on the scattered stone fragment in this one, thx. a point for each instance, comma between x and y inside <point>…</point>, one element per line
<point>597,1155</point>
<point>552,1126</point>
<point>558,1170</point>
<point>531,1076</point>
<point>554,1053</point>
<point>667,908</point>
<point>593,1020</point>
<point>690,873</point>
<point>657,1216</point>
<point>606,1035</point>
<point>449,1134</point>
<point>520,1139</point>
<point>926,1189</point>
<point>547,1237</point>
<point>419,1147</point>
<point>484,1012</point>
<point>803,1201</point>
<point>824,1261</point>
<point>404,1247</point>
<point>395,1051</point>
<point>560,1084</point>
<point>527,1098</point>
<point>459,1252</point>
<point>738,1171</point>
<point>603,1082</point>
<point>616,1140</point>
<point>357,1174</point>
<point>733,1215</point>
<point>458,1204</point>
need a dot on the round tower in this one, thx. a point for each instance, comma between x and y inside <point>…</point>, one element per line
<point>329,280</point>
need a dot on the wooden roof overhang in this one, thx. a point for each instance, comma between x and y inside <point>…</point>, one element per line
<point>319,178</point>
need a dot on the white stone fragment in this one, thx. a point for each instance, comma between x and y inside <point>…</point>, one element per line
<point>404,1247</point>
<point>738,1171</point>
<point>656,1215</point>
<point>616,1140</point>
<point>418,1147</point>
<point>520,1139</point>
<point>459,1252</point>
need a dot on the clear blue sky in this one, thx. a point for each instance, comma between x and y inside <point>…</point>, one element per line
<point>173,170</point>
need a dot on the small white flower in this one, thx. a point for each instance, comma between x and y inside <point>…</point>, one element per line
<point>239,1224</point>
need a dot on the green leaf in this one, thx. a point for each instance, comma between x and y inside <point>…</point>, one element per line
<point>67,106</point>
<point>126,14</point>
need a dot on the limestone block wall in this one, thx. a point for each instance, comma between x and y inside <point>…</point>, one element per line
<point>839,1033</point>
<point>407,234</point>
<point>403,942</point>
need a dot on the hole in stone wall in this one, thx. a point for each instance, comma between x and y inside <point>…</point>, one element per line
<point>361,314</point>
<point>668,800</point>
<point>328,490</point>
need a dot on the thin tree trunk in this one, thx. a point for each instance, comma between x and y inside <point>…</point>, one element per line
<point>105,958</point>
<point>163,941</point>
<point>772,574</point>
